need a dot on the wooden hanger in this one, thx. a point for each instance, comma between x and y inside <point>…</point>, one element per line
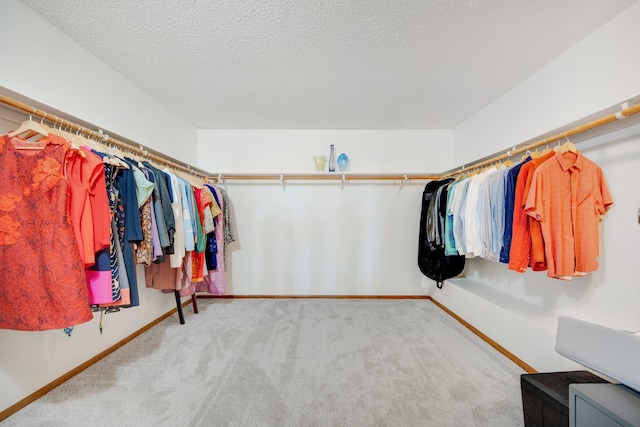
<point>115,162</point>
<point>32,127</point>
<point>59,132</point>
<point>188,177</point>
<point>568,147</point>
<point>535,154</point>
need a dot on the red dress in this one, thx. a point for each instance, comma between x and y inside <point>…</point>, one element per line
<point>42,280</point>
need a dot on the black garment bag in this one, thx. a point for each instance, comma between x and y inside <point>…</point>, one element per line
<point>432,260</point>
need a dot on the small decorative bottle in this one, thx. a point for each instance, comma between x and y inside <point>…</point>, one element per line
<point>343,162</point>
<point>332,159</point>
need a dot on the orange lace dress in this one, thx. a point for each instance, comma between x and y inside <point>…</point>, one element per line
<point>42,280</point>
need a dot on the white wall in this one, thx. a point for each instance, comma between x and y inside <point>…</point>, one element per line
<point>315,238</point>
<point>598,73</point>
<point>292,151</point>
<point>41,63</point>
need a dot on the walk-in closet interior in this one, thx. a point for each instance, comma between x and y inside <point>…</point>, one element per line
<point>292,143</point>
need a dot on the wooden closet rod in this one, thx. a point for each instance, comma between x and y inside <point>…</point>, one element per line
<point>102,138</point>
<point>325,176</point>
<point>150,154</point>
<point>319,176</point>
<point>623,113</point>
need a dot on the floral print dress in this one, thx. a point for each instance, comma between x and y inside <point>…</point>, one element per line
<point>42,280</point>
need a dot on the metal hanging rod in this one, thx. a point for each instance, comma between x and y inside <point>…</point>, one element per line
<point>625,112</point>
<point>103,138</point>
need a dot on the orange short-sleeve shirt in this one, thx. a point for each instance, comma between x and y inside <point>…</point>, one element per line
<point>568,194</point>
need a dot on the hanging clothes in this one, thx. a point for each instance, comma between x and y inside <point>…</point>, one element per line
<point>43,282</point>
<point>523,226</point>
<point>510,207</point>
<point>197,260</point>
<point>450,248</point>
<point>78,176</point>
<point>459,207</point>
<point>90,217</point>
<point>568,195</point>
<point>129,227</point>
<point>215,280</point>
<point>490,210</point>
<point>105,273</point>
<point>163,210</point>
<point>144,251</point>
<point>179,250</point>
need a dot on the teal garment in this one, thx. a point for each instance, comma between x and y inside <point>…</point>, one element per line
<point>449,240</point>
<point>144,187</point>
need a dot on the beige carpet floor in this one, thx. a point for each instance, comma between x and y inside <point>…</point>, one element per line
<point>293,362</point>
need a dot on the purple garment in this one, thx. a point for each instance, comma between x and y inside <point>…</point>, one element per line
<point>155,238</point>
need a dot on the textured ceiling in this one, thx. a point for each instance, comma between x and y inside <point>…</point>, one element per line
<point>327,64</point>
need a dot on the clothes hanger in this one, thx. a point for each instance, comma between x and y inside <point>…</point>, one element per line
<point>75,138</point>
<point>60,133</point>
<point>535,154</point>
<point>524,156</point>
<point>42,125</point>
<point>114,161</point>
<point>32,127</point>
<point>57,130</point>
<point>112,154</point>
<point>546,150</point>
<point>507,163</point>
<point>568,146</point>
<point>81,140</point>
<point>188,177</point>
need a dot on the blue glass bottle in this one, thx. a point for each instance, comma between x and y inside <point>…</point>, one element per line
<point>343,162</point>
